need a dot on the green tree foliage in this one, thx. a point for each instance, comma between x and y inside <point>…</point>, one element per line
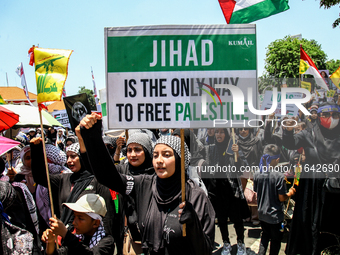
<point>332,65</point>
<point>90,96</point>
<point>326,4</point>
<point>283,60</point>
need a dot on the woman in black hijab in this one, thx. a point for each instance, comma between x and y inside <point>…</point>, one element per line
<point>250,150</point>
<point>68,187</point>
<point>139,161</point>
<point>229,201</point>
<point>158,197</point>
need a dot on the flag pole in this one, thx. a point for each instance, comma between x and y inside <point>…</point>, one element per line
<point>183,175</point>
<point>126,135</point>
<point>233,135</point>
<point>46,165</point>
<point>46,168</point>
<point>293,185</point>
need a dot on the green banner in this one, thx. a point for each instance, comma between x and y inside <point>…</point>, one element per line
<point>181,53</point>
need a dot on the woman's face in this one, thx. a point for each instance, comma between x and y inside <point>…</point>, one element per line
<point>210,131</point>
<point>68,143</point>
<point>135,154</point>
<point>73,161</point>
<point>27,159</point>
<point>164,161</point>
<point>219,135</point>
<point>314,115</point>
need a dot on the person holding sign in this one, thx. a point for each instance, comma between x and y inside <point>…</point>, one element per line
<point>158,196</point>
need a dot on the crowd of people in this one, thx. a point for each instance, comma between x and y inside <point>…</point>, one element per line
<point>125,195</point>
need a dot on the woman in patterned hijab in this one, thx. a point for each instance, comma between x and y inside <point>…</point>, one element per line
<point>160,212</point>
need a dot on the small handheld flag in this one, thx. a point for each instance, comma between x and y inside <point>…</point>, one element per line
<point>298,169</point>
<point>306,85</point>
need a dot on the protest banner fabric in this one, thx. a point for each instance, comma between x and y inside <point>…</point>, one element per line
<point>51,67</point>
<point>292,109</point>
<point>158,76</point>
<point>62,117</point>
<point>330,93</point>
<point>240,12</point>
<point>77,107</point>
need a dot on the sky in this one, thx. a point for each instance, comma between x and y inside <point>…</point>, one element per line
<point>79,26</point>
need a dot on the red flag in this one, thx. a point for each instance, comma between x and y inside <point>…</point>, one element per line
<point>307,66</point>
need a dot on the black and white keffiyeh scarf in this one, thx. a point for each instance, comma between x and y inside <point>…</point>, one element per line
<point>56,161</point>
<point>97,236</point>
<point>30,203</point>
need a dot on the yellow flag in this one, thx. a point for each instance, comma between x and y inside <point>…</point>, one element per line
<point>306,85</point>
<point>335,77</point>
<point>2,101</point>
<point>50,72</point>
<point>330,93</point>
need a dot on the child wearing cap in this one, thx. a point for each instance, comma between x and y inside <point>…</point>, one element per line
<point>89,236</point>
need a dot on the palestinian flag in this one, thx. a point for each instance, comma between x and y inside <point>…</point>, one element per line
<point>307,66</point>
<point>246,11</point>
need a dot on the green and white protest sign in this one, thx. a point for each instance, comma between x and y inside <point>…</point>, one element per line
<point>174,76</point>
<point>291,109</point>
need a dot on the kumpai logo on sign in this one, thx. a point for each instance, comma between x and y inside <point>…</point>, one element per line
<point>242,42</point>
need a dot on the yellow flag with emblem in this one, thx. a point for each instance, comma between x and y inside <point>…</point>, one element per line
<point>306,85</point>
<point>330,93</point>
<point>51,69</point>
